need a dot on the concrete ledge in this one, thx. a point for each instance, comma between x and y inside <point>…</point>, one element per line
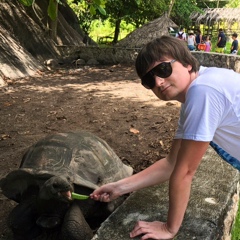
<point>211,199</point>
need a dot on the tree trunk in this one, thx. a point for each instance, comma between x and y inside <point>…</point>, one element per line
<point>53,23</point>
<point>170,7</point>
<point>117,30</point>
<point>53,29</point>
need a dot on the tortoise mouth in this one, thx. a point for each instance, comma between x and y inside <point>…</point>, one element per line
<point>66,195</point>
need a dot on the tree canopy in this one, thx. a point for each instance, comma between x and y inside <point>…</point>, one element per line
<point>136,12</point>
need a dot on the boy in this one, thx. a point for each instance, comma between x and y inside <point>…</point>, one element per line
<point>234,47</point>
<point>210,114</point>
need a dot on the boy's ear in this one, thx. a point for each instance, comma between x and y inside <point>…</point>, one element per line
<point>189,68</point>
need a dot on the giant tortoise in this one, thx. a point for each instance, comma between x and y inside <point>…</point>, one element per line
<point>50,170</point>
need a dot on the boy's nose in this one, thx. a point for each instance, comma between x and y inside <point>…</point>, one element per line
<point>158,80</point>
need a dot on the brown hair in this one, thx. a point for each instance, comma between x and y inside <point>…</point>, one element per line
<point>235,35</point>
<point>161,48</point>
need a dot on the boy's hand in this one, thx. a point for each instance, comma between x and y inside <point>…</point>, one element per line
<point>152,230</point>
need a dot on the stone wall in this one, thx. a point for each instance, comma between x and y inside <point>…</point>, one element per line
<point>113,55</point>
<point>104,55</point>
<point>218,60</point>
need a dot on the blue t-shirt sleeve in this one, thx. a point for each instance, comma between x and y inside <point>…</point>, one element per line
<point>201,114</point>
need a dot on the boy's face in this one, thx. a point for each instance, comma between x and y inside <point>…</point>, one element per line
<point>175,86</point>
<point>233,37</point>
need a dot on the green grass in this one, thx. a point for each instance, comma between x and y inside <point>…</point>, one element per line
<point>101,29</point>
<point>214,43</point>
<point>236,227</point>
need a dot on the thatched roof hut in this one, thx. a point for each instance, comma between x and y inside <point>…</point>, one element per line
<point>148,32</point>
<point>215,15</point>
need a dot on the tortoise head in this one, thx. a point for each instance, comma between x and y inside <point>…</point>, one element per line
<point>53,201</point>
<point>56,188</point>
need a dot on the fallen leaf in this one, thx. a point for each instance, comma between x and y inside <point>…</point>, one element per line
<point>7,104</point>
<point>5,136</point>
<point>134,130</point>
<point>25,100</point>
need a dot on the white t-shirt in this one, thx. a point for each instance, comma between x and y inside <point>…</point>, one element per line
<point>183,35</point>
<point>211,111</point>
<point>190,40</point>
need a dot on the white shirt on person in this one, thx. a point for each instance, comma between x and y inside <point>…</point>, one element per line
<point>211,111</point>
<point>191,40</point>
<point>184,37</point>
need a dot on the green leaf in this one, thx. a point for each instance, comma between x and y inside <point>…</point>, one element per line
<point>137,2</point>
<point>92,10</point>
<point>101,10</point>
<point>26,2</point>
<point>97,2</point>
<point>53,9</point>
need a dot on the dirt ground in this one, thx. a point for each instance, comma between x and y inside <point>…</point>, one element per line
<point>108,101</point>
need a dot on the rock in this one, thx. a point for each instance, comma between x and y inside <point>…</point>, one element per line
<point>92,62</point>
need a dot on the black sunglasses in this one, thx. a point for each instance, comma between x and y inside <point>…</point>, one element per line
<point>162,70</point>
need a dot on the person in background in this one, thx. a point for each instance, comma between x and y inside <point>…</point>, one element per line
<point>191,41</point>
<point>209,115</point>
<point>221,42</point>
<point>181,34</point>
<point>234,47</point>
<point>208,44</point>
<point>198,38</point>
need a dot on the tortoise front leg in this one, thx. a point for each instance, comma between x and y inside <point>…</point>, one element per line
<point>22,221</point>
<point>74,226</point>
